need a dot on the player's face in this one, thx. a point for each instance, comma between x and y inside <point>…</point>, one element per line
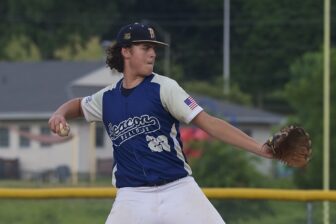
<point>141,59</point>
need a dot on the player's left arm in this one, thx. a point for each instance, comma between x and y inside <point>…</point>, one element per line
<point>227,133</point>
<point>68,110</point>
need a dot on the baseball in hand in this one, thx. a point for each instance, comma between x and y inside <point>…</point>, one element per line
<point>63,130</point>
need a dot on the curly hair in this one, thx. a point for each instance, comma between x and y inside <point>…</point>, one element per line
<point>114,58</point>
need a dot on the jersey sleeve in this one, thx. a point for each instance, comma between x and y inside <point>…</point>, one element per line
<point>178,102</point>
<point>92,106</point>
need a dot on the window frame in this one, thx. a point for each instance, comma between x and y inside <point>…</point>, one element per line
<point>23,139</point>
<point>4,138</point>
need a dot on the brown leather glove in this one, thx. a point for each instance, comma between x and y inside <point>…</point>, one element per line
<point>291,145</point>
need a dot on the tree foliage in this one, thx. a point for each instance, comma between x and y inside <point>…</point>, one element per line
<point>265,36</point>
<point>215,90</point>
<point>76,51</point>
<point>305,93</point>
<point>222,166</point>
<point>21,48</point>
<point>51,24</point>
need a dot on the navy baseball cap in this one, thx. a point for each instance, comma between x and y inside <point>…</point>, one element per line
<point>137,33</point>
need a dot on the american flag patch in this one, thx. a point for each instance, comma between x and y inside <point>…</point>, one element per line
<point>190,102</point>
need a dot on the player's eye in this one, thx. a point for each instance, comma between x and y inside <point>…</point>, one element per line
<point>148,46</point>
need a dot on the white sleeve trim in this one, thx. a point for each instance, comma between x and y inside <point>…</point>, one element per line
<point>86,115</point>
<point>176,100</point>
<point>92,106</point>
<point>193,114</point>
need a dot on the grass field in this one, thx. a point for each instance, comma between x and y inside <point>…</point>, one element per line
<point>287,213</point>
<point>64,211</point>
<point>89,211</point>
<point>56,211</point>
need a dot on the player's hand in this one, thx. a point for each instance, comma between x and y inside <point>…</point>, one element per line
<point>266,152</point>
<point>55,121</point>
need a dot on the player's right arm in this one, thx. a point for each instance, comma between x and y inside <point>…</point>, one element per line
<point>227,133</point>
<point>184,108</point>
<point>68,110</point>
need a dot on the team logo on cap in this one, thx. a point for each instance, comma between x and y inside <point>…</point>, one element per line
<point>151,33</point>
<point>127,36</point>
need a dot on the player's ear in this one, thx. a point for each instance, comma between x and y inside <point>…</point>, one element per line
<point>126,52</point>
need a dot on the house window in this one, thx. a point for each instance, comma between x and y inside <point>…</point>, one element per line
<point>100,136</point>
<point>24,141</point>
<point>45,131</point>
<point>4,137</point>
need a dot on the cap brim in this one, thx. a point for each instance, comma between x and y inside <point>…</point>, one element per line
<point>150,41</point>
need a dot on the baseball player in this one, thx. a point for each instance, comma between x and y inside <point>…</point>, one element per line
<point>141,113</point>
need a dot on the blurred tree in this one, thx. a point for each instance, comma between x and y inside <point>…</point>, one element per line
<point>305,93</point>
<point>223,166</point>
<point>51,24</point>
<point>21,48</point>
<point>266,37</point>
<point>92,50</point>
<point>215,90</point>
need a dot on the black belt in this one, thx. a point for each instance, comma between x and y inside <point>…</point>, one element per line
<point>160,183</point>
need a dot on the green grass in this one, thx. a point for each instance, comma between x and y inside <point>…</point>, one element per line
<point>55,211</point>
<point>64,211</point>
<point>290,212</point>
<point>89,211</point>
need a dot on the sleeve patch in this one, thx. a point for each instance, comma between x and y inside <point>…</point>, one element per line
<point>191,103</point>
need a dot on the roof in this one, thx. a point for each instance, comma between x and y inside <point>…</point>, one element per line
<point>98,78</point>
<point>36,89</point>
<point>235,113</point>
<point>33,90</point>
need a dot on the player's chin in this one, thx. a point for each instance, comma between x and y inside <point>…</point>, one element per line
<point>148,70</point>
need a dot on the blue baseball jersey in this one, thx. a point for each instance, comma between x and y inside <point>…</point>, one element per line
<point>144,129</point>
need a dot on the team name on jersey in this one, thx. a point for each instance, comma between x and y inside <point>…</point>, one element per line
<point>132,127</point>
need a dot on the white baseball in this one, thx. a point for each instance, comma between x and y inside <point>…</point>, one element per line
<point>64,130</point>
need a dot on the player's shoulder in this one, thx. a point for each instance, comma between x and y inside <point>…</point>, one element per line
<point>112,85</point>
<point>163,81</point>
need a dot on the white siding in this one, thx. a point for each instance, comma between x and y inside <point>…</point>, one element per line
<point>261,133</point>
